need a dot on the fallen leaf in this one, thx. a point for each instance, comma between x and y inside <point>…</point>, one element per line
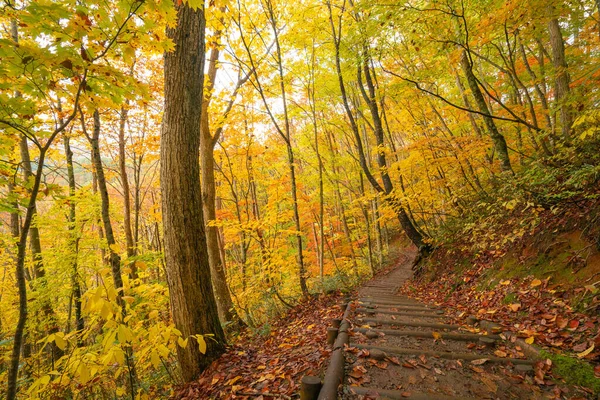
<point>481,361</point>
<point>233,380</point>
<point>535,283</point>
<point>573,324</point>
<point>530,340</point>
<point>586,352</point>
<point>381,365</point>
<point>500,353</point>
<point>515,307</point>
<point>393,360</point>
<point>436,335</point>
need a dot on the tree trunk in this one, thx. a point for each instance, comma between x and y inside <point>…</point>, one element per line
<point>561,78</point>
<point>39,274</point>
<point>225,308</point>
<point>114,258</point>
<point>227,313</point>
<point>13,371</point>
<point>497,138</point>
<point>467,103</point>
<point>131,250</point>
<point>193,304</point>
<point>73,239</point>
<point>370,98</point>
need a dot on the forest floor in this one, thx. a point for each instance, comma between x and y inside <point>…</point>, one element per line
<point>271,366</point>
<point>450,318</point>
<point>404,348</point>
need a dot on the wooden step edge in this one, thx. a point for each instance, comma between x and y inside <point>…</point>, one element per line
<point>398,394</point>
<point>444,354</point>
<point>408,323</point>
<point>389,303</point>
<point>400,313</point>
<point>466,337</point>
<point>410,307</point>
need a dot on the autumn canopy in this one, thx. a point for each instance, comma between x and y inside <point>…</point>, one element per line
<point>173,173</point>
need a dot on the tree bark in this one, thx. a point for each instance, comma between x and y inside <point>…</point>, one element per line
<point>114,258</point>
<point>497,138</point>
<point>193,304</point>
<point>561,78</point>
<point>227,313</point>
<point>131,249</point>
<point>73,239</point>
<point>413,234</point>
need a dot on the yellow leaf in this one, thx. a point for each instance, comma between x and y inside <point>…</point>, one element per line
<point>153,314</point>
<point>114,248</point>
<point>84,374</point>
<point>129,299</point>
<point>530,340</point>
<point>61,343</point>
<point>155,359</point>
<point>233,380</point>
<point>586,352</point>
<point>106,310</point>
<point>436,335</point>
<point>124,334</point>
<point>505,283</point>
<point>201,343</point>
<point>182,342</point>
<point>536,283</point>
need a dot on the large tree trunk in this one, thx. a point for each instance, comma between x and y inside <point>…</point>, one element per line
<point>193,304</point>
<point>561,74</point>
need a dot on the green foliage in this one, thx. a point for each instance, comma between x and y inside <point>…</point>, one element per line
<point>574,371</point>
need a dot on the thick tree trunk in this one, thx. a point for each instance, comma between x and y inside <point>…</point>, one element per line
<point>497,138</point>
<point>561,74</point>
<point>193,304</point>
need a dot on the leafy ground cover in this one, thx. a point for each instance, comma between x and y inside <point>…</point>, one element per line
<point>271,365</point>
<point>543,287</point>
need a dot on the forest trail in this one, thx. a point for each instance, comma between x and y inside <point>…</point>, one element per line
<point>400,348</point>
